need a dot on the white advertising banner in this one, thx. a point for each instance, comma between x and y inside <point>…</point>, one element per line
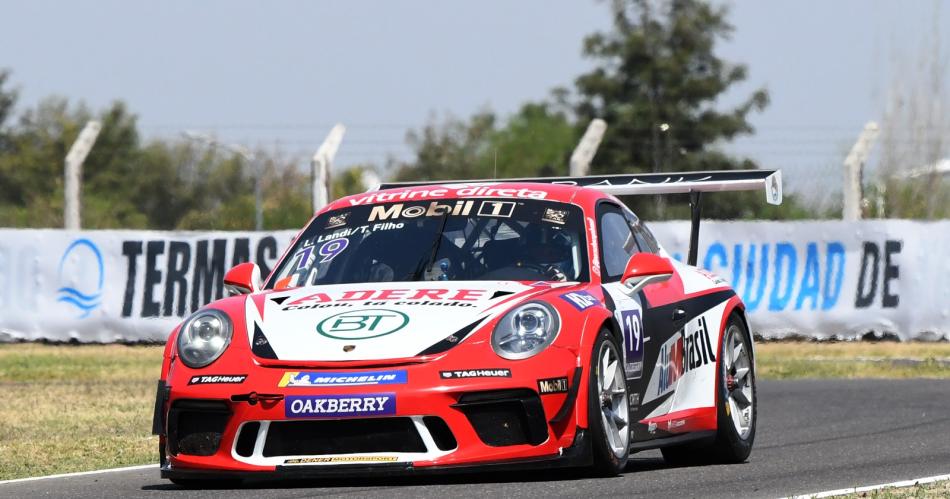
<point>830,278</point>
<point>112,286</point>
<point>820,279</point>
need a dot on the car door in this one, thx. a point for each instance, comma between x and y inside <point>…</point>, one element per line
<point>654,324</point>
<point>617,244</point>
<point>681,319</point>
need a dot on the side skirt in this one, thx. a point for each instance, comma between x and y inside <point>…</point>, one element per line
<point>699,436</point>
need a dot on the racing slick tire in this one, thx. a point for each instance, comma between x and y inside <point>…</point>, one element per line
<point>736,405</point>
<point>608,412</point>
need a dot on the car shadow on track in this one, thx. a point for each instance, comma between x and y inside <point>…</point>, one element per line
<point>636,465</point>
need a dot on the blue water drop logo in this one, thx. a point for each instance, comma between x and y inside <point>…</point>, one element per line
<point>78,259</point>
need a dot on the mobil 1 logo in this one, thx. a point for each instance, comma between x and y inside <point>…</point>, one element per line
<point>552,385</point>
<point>503,209</point>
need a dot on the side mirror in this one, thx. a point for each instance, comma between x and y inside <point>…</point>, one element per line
<point>644,269</point>
<point>243,279</point>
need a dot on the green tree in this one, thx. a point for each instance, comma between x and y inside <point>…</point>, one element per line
<point>535,141</point>
<point>656,85</point>
<point>111,171</point>
<point>287,197</point>
<point>448,150</point>
<point>8,99</point>
<point>126,184</point>
<point>348,181</point>
<point>31,168</point>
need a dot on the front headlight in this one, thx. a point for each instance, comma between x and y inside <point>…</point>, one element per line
<point>204,337</point>
<point>525,330</point>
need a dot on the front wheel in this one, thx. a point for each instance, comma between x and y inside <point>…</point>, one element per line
<point>608,412</point>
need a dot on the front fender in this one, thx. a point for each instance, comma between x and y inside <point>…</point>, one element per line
<point>596,319</point>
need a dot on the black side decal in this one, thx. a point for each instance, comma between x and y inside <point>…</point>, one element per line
<point>452,339</point>
<point>499,294</point>
<point>643,299</point>
<point>279,299</point>
<point>657,321</point>
<point>659,325</point>
<point>261,346</point>
<point>608,300</point>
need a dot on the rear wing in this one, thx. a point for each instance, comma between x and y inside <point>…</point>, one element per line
<point>692,183</point>
<point>651,183</point>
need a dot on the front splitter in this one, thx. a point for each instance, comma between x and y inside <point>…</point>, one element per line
<point>578,455</point>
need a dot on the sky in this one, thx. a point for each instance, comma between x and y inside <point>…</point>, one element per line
<point>280,74</point>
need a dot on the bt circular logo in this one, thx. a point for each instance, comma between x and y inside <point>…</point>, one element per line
<point>362,324</point>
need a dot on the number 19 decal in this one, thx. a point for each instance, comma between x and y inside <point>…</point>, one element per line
<point>632,328</point>
<point>328,250</point>
<point>331,249</point>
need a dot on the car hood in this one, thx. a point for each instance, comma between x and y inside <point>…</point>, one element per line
<point>375,321</point>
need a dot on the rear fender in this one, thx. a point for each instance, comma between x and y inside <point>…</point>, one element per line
<point>733,307</point>
<point>740,312</point>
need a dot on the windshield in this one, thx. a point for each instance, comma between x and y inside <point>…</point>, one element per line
<point>447,240</point>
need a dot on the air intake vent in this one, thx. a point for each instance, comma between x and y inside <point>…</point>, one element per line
<point>247,438</point>
<point>195,426</point>
<point>505,417</point>
<point>440,432</point>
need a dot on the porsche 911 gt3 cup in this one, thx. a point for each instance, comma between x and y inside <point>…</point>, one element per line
<point>481,325</point>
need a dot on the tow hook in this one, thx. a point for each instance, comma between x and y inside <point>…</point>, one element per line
<point>253,398</point>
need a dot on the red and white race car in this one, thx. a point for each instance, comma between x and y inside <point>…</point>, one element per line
<point>488,324</point>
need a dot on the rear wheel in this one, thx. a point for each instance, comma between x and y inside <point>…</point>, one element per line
<point>737,397</point>
<point>608,412</point>
<point>736,405</point>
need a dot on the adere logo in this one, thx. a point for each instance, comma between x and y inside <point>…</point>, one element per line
<point>81,275</point>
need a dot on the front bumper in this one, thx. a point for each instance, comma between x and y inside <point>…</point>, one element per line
<point>576,456</point>
<point>493,422</point>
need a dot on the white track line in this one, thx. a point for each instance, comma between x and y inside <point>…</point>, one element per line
<point>869,488</point>
<point>81,473</point>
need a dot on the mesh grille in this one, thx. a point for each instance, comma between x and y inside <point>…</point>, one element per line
<point>195,426</point>
<point>351,436</point>
<point>505,417</point>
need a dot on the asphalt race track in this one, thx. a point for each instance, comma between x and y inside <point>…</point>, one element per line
<point>813,435</point>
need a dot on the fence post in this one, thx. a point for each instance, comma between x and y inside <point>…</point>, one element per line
<point>320,166</point>
<point>584,152</point>
<point>852,192</point>
<point>72,183</point>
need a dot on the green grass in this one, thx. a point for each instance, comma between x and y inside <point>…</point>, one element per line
<point>926,491</point>
<point>77,408</point>
<point>851,360</point>
<point>69,408</point>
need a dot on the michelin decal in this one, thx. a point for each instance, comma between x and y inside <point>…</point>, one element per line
<point>308,379</point>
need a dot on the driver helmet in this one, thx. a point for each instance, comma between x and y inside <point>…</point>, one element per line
<point>549,248</point>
